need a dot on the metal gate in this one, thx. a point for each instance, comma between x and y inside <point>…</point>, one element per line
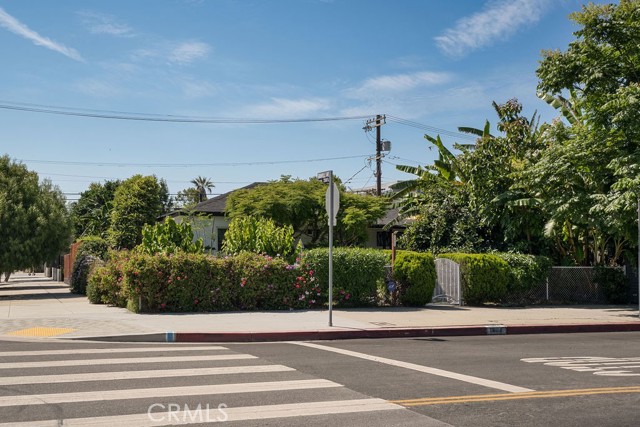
<point>448,287</point>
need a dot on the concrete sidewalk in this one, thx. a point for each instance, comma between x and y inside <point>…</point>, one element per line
<point>38,307</point>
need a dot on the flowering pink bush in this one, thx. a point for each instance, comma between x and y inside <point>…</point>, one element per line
<point>194,282</point>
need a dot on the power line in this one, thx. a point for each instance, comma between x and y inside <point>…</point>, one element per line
<point>429,128</point>
<point>111,178</point>
<point>121,115</point>
<point>188,165</point>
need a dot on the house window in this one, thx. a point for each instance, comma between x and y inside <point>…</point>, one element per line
<point>221,232</point>
<point>382,240</point>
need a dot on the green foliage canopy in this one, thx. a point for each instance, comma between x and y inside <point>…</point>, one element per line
<point>92,210</point>
<point>137,201</point>
<point>35,225</point>
<point>301,204</point>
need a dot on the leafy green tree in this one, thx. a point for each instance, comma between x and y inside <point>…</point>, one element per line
<point>35,225</point>
<point>602,66</point>
<point>601,70</point>
<point>137,201</point>
<point>297,203</point>
<point>188,197</point>
<point>165,197</point>
<point>301,204</point>
<point>443,220</point>
<point>466,200</point>
<point>492,167</point>
<point>92,210</point>
<point>203,186</point>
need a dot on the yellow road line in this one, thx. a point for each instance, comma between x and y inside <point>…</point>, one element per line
<point>40,332</point>
<point>516,396</point>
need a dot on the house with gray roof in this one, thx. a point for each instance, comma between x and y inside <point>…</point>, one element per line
<point>209,222</point>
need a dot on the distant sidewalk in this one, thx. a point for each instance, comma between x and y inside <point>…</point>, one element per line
<point>37,307</point>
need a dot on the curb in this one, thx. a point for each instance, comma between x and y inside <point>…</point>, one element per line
<point>345,334</point>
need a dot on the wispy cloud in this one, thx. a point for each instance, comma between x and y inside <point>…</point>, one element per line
<point>12,24</point>
<point>499,20</point>
<point>188,52</point>
<point>99,23</point>
<point>397,83</point>
<point>288,108</point>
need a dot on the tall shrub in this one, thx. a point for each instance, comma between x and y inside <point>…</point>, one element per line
<point>613,282</point>
<point>356,273</point>
<point>416,275</point>
<point>93,245</point>
<point>484,276</point>
<point>106,282</point>
<point>91,251</point>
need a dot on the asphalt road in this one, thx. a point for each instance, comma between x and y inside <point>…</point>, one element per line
<point>526,380</point>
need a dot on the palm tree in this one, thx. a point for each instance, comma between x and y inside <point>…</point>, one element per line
<point>203,186</point>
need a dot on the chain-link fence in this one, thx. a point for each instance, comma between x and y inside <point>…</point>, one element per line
<point>564,285</point>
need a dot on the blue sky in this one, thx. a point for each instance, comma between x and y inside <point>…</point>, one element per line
<point>436,63</point>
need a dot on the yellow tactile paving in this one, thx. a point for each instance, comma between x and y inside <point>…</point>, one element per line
<point>41,332</point>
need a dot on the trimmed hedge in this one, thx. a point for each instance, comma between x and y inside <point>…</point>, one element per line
<point>93,245</point>
<point>525,272</point>
<point>484,277</point>
<point>184,282</point>
<point>91,250</point>
<point>356,274</point>
<point>105,284</point>
<point>415,273</point>
<point>613,283</point>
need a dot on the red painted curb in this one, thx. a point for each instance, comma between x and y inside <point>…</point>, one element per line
<point>342,334</point>
<point>573,328</point>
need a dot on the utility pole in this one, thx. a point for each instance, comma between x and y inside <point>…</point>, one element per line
<point>378,158</point>
<point>377,123</point>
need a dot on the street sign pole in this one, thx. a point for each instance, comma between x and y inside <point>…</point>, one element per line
<point>331,213</point>
<point>332,204</point>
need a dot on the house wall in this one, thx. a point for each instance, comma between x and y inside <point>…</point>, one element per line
<point>373,240</point>
<point>206,228</point>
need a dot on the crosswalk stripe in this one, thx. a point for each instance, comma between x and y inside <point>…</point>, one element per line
<point>145,393</point>
<point>107,350</point>
<point>127,375</point>
<point>120,361</point>
<point>220,414</point>
<point>419,368</point>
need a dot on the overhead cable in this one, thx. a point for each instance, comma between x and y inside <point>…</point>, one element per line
<point>120,115</point>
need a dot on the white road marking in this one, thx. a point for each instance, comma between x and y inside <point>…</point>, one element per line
<point>121,361</point>
<point>168,348</point>
<point>216,414</point>
<point>602,366</point>
<point>145,393</point>
<point>127,375</point>
<point>420,368</point>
